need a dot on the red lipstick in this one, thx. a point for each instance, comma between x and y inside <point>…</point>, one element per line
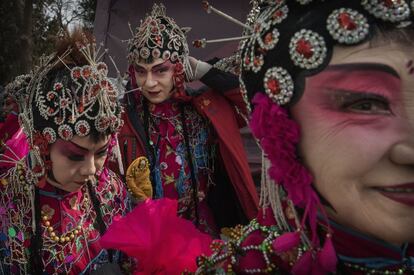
<point>403,193</point>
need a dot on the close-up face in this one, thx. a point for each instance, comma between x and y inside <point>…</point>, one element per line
<point>75,161</point>
<point>357,138</point>
<point>155,79</point>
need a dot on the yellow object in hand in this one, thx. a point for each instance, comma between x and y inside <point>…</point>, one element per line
<point>138,178</point>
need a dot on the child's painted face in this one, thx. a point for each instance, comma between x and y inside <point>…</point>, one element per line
<point>76,161</point>
<point>155,79</point>
<point>357,123</point>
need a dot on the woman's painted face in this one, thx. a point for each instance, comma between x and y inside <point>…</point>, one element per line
<point>155,79</point>
<point>75,161</point>
<point>357,123</point>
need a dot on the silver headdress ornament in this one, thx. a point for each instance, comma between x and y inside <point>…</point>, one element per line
<point>77,101</point>
<point>17,88</point>
<point>159,36</point>
<point>230,63</point>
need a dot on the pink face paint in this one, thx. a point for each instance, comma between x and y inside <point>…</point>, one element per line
<point>75,152</point>
<point>156,70</point>
<point>358,91</point>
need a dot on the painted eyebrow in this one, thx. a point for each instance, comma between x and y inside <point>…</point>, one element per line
<point>86,149</point>
<point>349,67</point>
<point>341,93</point>
<point>155,67</point>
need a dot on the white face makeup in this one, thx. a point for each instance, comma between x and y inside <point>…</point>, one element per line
<point>357,139</point>
<point>155,80</point>
<point>76,161</point>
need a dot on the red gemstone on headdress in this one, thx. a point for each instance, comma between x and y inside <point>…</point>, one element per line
<point>247,60</point>
<point>274,86</point>
<point>58,86</point>
<point>107,85</point>
<point>65,133</point>
<point>94,91</point>
<point>82,129</point>
<point>51,110</point>
<point>346,22</point>
<point>277,14</point>
<point>197,43</point>
<point>304,48</point>
<point>51,96</point>
<point>391,3</point>
<point>154,29</point>
<point>256,61</point>
<point>80,108</point>
<point>76,74</point>
<point>63,103</point>
<point>86,72</point>
<point>47,136</point>
<point>268,38</point>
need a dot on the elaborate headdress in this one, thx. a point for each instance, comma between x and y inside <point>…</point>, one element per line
<point>72,101</point>
<point>64,99</point>
<point>294,39</point>
<point>159,36</point>
<point>288,41</point>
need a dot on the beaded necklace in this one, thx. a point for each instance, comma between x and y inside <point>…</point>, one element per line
<point>227,254</point>
<point>366,270</point>
<point>58,252</point>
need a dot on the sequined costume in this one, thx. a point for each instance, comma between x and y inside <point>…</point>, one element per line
<point>70,235</point>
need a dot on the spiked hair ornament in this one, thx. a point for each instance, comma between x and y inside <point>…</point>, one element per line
<point>159,36</point>
<point>71,100</point>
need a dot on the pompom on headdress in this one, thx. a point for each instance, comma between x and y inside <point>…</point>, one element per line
<point>159,36</point>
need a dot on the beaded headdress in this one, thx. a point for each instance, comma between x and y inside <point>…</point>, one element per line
<point>71,101</point>
<point>285,47</point>
<point>159,36</point>
<point>62,99</point>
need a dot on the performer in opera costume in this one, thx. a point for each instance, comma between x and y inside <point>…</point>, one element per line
<point>331,84</point>
<point>191,137</point>
<point>58,197</point>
